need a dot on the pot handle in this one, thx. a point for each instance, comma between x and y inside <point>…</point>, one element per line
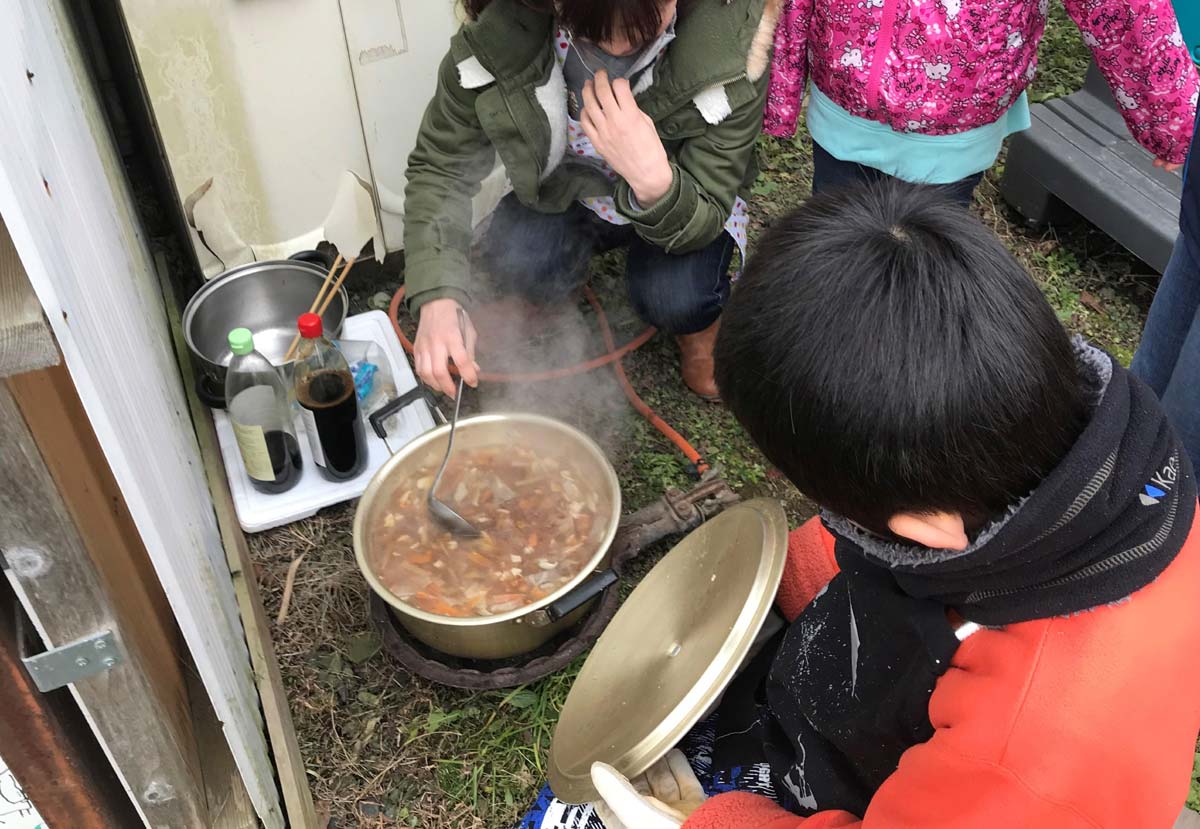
<point>411,396</point>
<point>590,588</point>
<point>314,257</point>
<point>208,397</point>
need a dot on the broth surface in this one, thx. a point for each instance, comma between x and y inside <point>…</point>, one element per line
<point>542,521</point>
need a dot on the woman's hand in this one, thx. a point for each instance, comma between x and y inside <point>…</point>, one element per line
<point>439,339</point>
<point>662,798</point>
<point>626,138</point>
<point>1169,166</point>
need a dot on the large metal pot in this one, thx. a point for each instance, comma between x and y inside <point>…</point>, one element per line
<point>524,629</point>
<point>265,297</point>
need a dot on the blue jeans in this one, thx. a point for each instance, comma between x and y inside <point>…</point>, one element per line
<point>830,173</point>
<point>1168,359</point>
<point>543,258</point>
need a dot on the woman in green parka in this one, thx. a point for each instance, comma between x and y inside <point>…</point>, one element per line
<point>620,123</point>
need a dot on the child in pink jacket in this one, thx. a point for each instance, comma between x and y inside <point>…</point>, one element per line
<point>927,90</point>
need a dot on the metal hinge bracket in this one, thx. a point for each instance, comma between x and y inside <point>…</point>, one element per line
<point>75,661</point>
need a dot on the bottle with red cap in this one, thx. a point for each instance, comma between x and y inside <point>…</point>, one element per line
<point>328,404</point>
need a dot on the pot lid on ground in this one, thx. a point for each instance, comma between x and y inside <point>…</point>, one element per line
<point>672,649</point>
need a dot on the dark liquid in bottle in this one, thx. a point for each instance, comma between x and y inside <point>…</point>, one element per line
<point>329,396</point>
<point>285,462</point>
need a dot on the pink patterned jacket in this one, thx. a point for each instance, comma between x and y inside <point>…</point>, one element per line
<point>939,67</point>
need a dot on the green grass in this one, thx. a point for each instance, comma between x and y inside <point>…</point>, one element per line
<point>387,749</point>
<point>1063,57</point>
<point>1193,801</point>
<point>510,734</point>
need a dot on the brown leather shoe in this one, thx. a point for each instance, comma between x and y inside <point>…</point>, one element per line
<point>696,362</point>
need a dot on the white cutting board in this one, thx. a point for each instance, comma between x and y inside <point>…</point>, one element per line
<point>258,511</point>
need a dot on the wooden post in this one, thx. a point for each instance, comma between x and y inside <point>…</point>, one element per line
<point>289,764</point>
<point>53,574</point>
<point>25,339</point>
<point>57,423</point>
<point>66,204</point>
<point>56,419</point>
<point>293,780</point>
<point>48,746</point>
<point>229,806</point>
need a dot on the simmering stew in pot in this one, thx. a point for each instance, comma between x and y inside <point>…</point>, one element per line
<point>539,515</point>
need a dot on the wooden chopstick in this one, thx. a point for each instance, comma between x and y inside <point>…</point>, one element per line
<point>325,285</point>
<point>322,296</point>
<point>337,286</point>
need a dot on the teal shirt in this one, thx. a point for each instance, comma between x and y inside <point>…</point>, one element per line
<point>925,159</point>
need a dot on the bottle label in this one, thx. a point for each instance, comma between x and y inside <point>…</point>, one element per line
<point>314,439</point>
<point>252,442</point>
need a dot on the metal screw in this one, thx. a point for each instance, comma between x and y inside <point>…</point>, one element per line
<point>101,644</point>
<point>82,662</point>
<point>109,661</point>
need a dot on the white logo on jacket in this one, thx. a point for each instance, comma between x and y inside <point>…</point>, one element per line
<point>852,57</point>
<point>1126,100</point>
<point>952,7</point>
<point>937,71</point>
<point>1166,477</point>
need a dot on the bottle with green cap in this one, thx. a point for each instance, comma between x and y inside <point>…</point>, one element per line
<point>257,401</point>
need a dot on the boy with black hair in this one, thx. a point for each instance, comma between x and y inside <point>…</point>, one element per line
<point>995,620</point>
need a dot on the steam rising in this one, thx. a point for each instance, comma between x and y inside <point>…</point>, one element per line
<point>516,338</point>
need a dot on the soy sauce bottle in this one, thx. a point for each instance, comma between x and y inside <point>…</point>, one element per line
<point>257,401</point>
<point>328,404</point>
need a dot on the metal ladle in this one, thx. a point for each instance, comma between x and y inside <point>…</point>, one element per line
<point>442,512</point>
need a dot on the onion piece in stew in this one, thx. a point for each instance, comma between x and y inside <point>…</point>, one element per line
<point>538,517</point>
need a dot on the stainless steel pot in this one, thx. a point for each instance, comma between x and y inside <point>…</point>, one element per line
<point>524,629</point>
<point>267,298</point>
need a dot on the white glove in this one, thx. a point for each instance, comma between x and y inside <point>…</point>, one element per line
<point>662,798</point>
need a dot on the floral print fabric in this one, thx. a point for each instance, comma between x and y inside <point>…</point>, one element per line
<point>941,67</point>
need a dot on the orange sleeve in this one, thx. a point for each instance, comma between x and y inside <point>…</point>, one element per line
<point>810,566</point>
<point>934,788</point>
<point>742,810</point>
<point>1081,722</point>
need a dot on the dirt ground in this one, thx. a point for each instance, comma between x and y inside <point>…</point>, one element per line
<point>387,749</point>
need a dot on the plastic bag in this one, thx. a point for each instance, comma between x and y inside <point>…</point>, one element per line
<point>374,382</point>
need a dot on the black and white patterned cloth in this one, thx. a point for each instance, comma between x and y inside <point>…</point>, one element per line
<point>699,747</point>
